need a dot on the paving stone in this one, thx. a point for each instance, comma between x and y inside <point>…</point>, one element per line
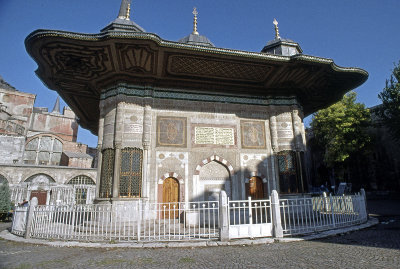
<point>374,247</point>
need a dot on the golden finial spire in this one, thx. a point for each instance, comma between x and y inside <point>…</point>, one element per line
<point>195,21</point>
<point>277,36</point>
<point>128,12</point>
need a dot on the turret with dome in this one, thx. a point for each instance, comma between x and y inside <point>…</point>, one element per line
<point>195,38</point>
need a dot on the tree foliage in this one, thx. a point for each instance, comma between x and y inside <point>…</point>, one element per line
<point>389,112</point>
<point>341,129</point>
<point>5,199</point>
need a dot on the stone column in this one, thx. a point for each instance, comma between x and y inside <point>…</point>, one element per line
<point>146,144</point>
<point>117,147</point>
<point>298,139</point>
<point>275,148</point>
<point>99,154</point>
<point>297,131</point>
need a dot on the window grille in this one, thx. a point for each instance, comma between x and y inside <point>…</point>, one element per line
<point>81,180</point>
<point>130,184</point>
<point>107,171</point>
<point>81,190</point>
<point>288,178</point>
<point>286,162</point>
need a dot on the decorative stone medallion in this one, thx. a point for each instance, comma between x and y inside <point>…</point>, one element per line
<point>253,134</point>
<point>171,132</point>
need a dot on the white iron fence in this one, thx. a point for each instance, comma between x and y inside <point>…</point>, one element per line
<point>305,215</point>
<point>249,218</point>
<point>144,221</point>
<point>138,221</point>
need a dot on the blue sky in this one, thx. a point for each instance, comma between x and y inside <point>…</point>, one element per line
<point>360,33</point>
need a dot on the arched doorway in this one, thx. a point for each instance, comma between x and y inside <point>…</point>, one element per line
<point>256,188</point>
<point>170,198</point>
<point>213,178</point>
<point>40,187</point>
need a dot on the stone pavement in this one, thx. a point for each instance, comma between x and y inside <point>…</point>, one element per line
<point>375,247</point>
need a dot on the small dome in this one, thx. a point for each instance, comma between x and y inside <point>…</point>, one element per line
<point>195,39</point>
<point>281,46</point>
<point>122,23</point>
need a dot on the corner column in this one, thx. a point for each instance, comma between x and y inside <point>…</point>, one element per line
<point>117,146</point>
<point>275,148</point>
<point>298,144</point>
<point>146,145</point>
<point>99,154</point>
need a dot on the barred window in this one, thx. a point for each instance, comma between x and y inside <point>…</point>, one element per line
<point>130,184</point>
<point>81,187</point>
<point>107,171</point>
<point>81,180</point>
<point>288,177</point>
<point>286,162</point>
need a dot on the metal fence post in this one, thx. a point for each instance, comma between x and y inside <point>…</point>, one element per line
<point>32,205</point>
<point>276,215</point>
<point>332,213</point>
<point>362,191</point>
<point>223,217</point>
<point>139,220</point>
<point>250,211</point>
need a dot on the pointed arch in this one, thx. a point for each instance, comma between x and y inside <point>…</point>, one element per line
<point>180,181</point>
<point>215,158</point>
<point>171,174</point>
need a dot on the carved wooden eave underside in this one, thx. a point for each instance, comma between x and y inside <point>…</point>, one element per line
<point>80,66</point>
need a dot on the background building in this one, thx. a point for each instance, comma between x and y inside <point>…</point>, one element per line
<point>39,155</point>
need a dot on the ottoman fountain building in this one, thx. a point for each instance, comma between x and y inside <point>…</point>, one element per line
<point>180,121</point>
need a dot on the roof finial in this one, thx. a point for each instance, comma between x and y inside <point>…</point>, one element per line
<point>277,36</point>
<point>124,10</point>
<point>195,21</point>
<point>128,12</point>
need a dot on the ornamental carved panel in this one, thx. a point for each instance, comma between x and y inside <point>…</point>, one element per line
<point>171,132</point>
<point>196,66</point>
<point>253,134</point>
<point>136,59</point>
<point>77,62</point>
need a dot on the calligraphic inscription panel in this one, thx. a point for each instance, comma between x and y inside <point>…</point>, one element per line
<point>214,136</point>
<point>253,134</point>
<point>171,132</point>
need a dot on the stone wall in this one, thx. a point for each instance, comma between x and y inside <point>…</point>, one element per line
<point>11,149</point>
<point>16,174</point>
<point>184,138</point>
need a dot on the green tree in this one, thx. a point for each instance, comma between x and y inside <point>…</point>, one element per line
<point>340,131</point>
<point>389,111</point>
<point>5,198</point>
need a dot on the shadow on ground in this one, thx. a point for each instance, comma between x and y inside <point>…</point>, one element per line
<point>384,235</point>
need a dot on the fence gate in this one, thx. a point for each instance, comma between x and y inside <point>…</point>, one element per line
<point>249,218</point>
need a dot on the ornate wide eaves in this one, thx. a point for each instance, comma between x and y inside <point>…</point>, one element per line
<point>80,66</point>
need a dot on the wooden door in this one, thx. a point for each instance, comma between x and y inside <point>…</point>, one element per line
<point>170,198</point>
<point>256,190</point>
<point>40,195</point>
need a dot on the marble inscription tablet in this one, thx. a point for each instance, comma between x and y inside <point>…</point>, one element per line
<point>214,136</point>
